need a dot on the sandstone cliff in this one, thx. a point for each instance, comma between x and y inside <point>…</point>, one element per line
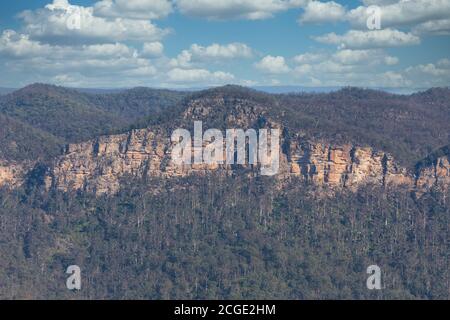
<point>11,173</point>
<point>98,165</point>
<point>434,170</point>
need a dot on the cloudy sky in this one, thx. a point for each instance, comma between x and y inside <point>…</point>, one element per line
<point>195,43</point>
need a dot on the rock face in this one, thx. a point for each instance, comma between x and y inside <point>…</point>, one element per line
<point>345,166</point>
<point>436,173</point>
<point>11,173</point>
<point>98,165</point>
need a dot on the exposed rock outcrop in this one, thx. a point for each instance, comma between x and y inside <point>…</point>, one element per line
<point>434,170</point>
<point>98,165</point>
<point>345,166</point>
<point>11,173</point>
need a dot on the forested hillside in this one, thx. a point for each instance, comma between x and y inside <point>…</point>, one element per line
<point>215,236</point>
<point>224,239</point>
<point>20,141</point>
<point>409,127</point>
<point>58,115</point>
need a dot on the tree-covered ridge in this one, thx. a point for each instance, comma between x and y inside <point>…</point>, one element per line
<point>56,115</point>
<point>137,103</point>
<point>407,126</point>
<point>59,111</point>
<point>19,141</point>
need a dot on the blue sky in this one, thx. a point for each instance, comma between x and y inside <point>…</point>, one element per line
<point>192,43</point>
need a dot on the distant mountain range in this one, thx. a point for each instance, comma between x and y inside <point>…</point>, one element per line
<point>268,89</point>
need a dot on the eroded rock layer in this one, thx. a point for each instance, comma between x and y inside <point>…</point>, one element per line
<point>11,173</point>
<point>98,165</point>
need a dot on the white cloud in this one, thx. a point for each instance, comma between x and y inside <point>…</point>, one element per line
<point>379,2</point>
<point>133,9</point>
<point>429,69</point>
<point>95,63</point>
<point>118,45</point>
<point>430,74</point>
<point>401,13</point>
<point>356,39</point>
<point>368,56</point>
<point>309,57</point>
<point>17,45</point>
<point>178,75</point>
<point>212,53</point>
<point>321,12</point>
<point>370,68</point>
<point>61,22</point>
<point>421,16</point>
<point>183,60</point>
<point>390,79</point>
<point>366,67</point>
<point>152,49</point>
<point>229,51</point>
<point>272,65</point>
<point>444,63</point>
<point>248,83</point>
<point>235,9</point>
<point>330,73</point>
<point>437,27</point>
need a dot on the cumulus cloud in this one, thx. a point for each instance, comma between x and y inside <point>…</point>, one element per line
<point>309,57</point>
<point>212,53</point>
<point>357,39</point>
<point>368,67</point>
<point>436,27</point>
<point>430,69</point>
<point>272,65</point>
<point>98,64</point>
<point>21,46</point>
<point>430,74</point>
<point>402,13</point>
<point>133,9</point>
<point>97,61</point>
<point>444,63</point>
<point>379,2</point>
<point>61,22</point>
<point>420,16</point>
<point>229,51</point>
<point>371,56</point>
<point>235,9</point>
<point>321,12</point>
<point>345,57</point>
<point>347,67</point>
<point>17,45</point>
<point>331,73</point>
<point>116,43</point>
<point>152,49</point>
<point>178,75</point>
